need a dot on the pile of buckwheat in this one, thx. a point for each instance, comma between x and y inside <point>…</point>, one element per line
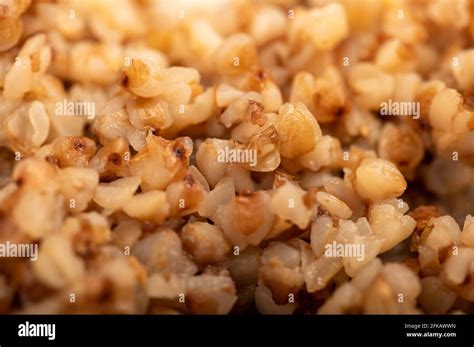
<point>237,156</point>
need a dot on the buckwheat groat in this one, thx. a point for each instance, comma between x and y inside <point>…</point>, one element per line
<point>377,179</point>
<point>234,156</point>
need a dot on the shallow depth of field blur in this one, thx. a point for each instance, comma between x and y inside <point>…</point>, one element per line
<point>237,156</point>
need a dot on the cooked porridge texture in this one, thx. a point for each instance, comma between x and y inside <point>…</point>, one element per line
<point>237,156</point>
